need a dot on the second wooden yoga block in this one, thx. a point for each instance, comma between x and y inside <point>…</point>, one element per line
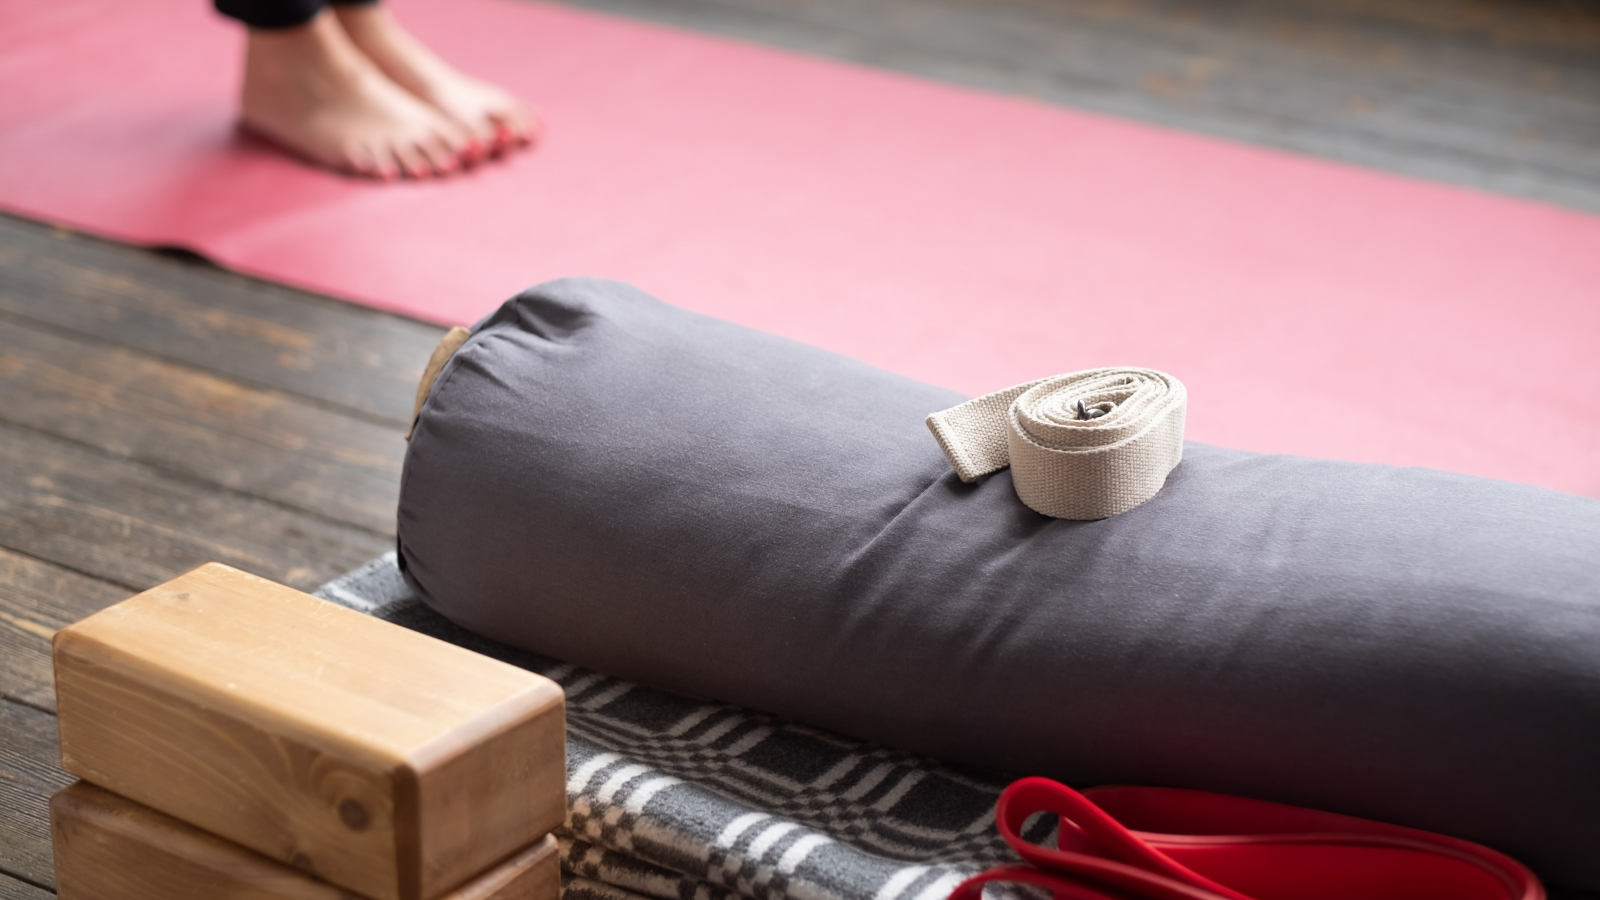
<point>110,848</point>
<point>378,759</point>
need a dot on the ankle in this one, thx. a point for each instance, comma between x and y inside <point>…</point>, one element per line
<point>319,41</point>
<point>376,34</point>
<point>372,29</point>
<point>362,18</point>
<point>306,55</point>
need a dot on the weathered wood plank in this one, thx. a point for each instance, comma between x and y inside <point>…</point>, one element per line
<point>36,600</point>
<point>12,889</point>
<point>29,774</point>
<point>201,316</point>
<point>1495,94</point>
<point>374,757</point>
<point>260,442</point>
<point>136,526</point>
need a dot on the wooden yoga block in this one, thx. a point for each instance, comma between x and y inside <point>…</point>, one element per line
<point>372,757</point>
<point>110,848</point>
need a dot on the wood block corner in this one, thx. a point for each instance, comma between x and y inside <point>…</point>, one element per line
<point>382,760</point>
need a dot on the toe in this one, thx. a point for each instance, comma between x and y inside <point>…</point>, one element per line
<point>458,142</point>
<point>384,163</point>
<point>358,159</point>
<point>384,166</point>
<point>516,127</point>
<point>488,134</point>
<point>501,137</point>
<point>412,163</point>
<point>438,155</point>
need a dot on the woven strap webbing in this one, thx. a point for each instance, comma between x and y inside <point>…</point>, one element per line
<point>1063,465</point>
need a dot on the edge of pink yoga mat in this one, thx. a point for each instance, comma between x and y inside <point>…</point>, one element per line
<point>964,238</point>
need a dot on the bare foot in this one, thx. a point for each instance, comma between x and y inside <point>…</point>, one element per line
<point>310,89</point>
<point>491,115</point>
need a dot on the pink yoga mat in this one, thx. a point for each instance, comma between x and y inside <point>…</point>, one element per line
<point>963,238</point>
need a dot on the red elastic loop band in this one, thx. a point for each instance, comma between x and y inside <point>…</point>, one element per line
<point>1191,845</point>
<point>1110,854</point>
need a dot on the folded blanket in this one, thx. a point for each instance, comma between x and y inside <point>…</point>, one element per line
<point>675,799</point>
<point>602,478</point>
<point>657,782</point>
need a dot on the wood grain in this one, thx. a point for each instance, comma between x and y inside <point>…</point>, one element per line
<point>134,525</point>
<point>12,889</point>
<point>110,848</point>
<point>1496,94</point>
<point>200,316</point>
<point>29,774</point>
<point>262,442</point>
<point>36,600</point>
<point>374,757</point>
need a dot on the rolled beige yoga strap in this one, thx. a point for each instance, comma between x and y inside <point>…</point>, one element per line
<point>1086,445</point>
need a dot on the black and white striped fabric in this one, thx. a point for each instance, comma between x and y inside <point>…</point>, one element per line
<point>680,799</point>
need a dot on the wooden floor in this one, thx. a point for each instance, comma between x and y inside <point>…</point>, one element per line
<point>1502,95</point>
<point>156,413</point>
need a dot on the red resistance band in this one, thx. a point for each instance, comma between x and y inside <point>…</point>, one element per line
<point>1132,843</point>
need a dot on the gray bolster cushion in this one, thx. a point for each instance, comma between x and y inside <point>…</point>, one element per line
<point>603,478</point>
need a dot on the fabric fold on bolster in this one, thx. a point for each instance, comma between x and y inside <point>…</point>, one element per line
<point>1085,445</point>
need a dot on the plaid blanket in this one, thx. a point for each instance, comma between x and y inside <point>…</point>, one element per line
<point>680,799</point>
